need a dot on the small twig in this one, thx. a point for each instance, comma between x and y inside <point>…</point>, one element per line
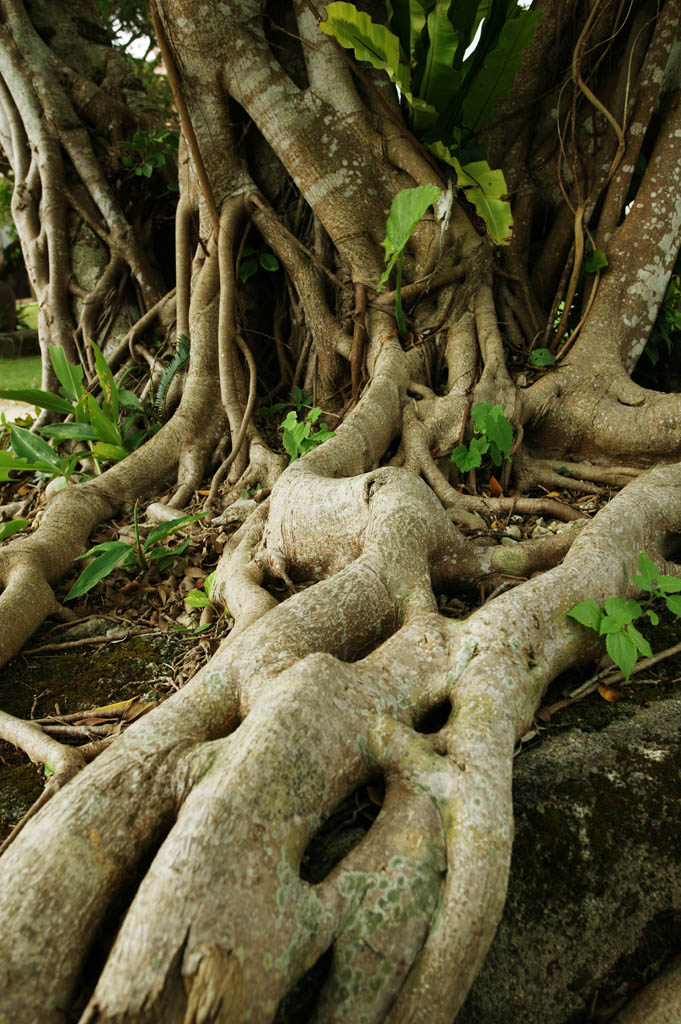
<point>85,642</point>
<point>616,677</point>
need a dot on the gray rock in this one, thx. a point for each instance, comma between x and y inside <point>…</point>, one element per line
<point>596,862</point>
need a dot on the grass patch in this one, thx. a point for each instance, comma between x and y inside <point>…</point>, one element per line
<point>20,373</point>
<point>28,313</point>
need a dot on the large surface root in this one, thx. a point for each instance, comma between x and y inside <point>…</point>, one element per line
<point>221,924</point>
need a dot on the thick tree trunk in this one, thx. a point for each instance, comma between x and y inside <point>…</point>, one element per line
<point>196,821</point>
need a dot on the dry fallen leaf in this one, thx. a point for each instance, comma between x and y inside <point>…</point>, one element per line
<point>495,488</point>
<point>609,693</point>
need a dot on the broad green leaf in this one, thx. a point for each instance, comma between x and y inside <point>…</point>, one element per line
<point>109,452</point>
<point>653,616</point>
<point>407,20</point>
<point>69,431</point>
<point>34,396</point>
<point>108,385</point>
<point>294,433</point>
<point>107,430</point>
<point>129,400</point>
<point>596,260</point>
<point>642,644</point>
<point>437,82</point>
<point>8,529</point>
<point>542,357</point>
<point>28,446</point>
<point>69,376</point>
<point>407,209</point>
<point>495,77</point>
<point>10,464</point>
<point>469,458</point>
<point>164,530</point>
<point>647,568</point>
<point>669,584</point>
<point>268,261</point>
<point>622,650</point>
<point>115,554</point>
<point>484,188</point>
<point>588,613</point>
<point>622,612</point>
<point>197,599</point>
<point>208,583</point>
<point>674,603</point>
<point>247,268</point>
<point>376,44</point>
<point>490,421</point>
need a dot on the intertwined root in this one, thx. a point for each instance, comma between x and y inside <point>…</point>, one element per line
<point>205,808</point>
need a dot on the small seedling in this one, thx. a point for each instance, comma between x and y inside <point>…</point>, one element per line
<point>407,209</point>
<point>615,621</point>
<point>111,435</point>
<point>140,555</point>
<point>253,259</point>
<point>298,399</point>
<point>201,598</point>
<point>494,438</point>
<point>298,436</point>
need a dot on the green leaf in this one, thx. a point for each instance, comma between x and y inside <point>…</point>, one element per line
<point>622,650</point>
<point>166,556</point>
<point>129,400</point>
<point>485,189</point>
<point>647,568</point>
<point>197,599</point>
<point>490,421</point>
<point>28,446</point>
<point>541,357</point>
<point>674,604</point>
<point>294,434</point>
<point>106,428</point>
<point>669,585</point>
<point>108,385</point>
<point>10,464</point>
<point>69,376</point>
<point>407,209</point>
<point>172,526</point>
<point>640,641</point>
<point>247,268</point>
<point>494,78</point>
<point>8,529</point>
<point>408,21</point>
<point>69,431</point>
<point>436,83</point>
<point>588,613</point>
<point>622,612</point>
<point>596,260</point>
<point>109,452</point>
<point>208,583</point>
<point>653,616</point>
<point>268,261</point>
<point>111,554</point>
<point>376,44</point>
<point>43,399</point>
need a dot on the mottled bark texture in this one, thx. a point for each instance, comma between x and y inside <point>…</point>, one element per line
<point>196,820</point>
